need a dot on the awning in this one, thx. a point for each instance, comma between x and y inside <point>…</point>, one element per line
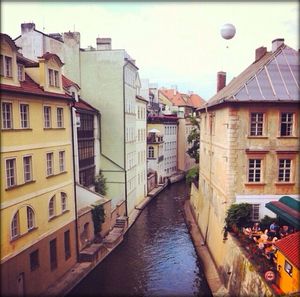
<point>288,209</point>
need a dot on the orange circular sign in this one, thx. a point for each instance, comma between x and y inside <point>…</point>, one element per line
<point>269,275</point>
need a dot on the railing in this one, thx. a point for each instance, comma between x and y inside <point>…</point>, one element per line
<point>86,162</point>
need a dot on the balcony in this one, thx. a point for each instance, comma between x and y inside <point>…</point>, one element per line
<point>154,138</point>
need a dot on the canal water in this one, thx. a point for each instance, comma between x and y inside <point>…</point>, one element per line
<point>156,258</point>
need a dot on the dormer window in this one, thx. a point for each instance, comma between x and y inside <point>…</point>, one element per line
<point>6,66</point>
<point>53,78</point>
<point>20,72</point>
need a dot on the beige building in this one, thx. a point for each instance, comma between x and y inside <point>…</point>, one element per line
<point>249,149</point>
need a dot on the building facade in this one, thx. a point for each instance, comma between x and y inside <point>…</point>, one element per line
<point>38,228</point>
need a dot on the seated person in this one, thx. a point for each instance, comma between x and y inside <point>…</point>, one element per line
<point>255,227</point>
<point>273,229</point>
<point>283,231</point>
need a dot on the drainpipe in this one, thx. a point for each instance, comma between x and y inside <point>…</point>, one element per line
<point>124,133</point>
<point>74,175</point>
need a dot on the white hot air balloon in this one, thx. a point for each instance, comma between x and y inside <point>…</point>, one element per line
<point>228,31</point>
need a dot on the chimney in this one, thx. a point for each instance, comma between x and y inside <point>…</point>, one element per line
<point>260,52</point>
<point>174,87</point>
<point>221,80</point>
<point>26,27</point>
<point>103,44</point>
<point>276,43</point>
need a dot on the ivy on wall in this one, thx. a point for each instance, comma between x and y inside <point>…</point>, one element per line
<point>98,215</point>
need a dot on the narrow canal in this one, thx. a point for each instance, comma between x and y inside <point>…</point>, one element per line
<point>156,258</point>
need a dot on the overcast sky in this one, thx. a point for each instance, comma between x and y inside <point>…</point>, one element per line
<point>173,43</point>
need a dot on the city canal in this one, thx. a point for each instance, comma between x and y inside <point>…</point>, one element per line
<point>156,258</point>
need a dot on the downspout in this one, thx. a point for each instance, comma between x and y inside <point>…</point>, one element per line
<point>124,133</point>
<point>74,175</point>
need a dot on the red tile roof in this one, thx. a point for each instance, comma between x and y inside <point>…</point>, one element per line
<point>28,86</point>
<point>81,104</point>
<point>290,247</point>
<point>68,83</point>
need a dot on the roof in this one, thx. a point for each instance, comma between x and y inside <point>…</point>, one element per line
<point>83,105</point>
<point>181,99</point>
<point>48,56</point>
<point>26,62</point>
<point>28,86</point>
<point>68,83</point>
<point>9,40</point>
<point>290,246</point>
<point>286,208</point>
<point>272,78</point>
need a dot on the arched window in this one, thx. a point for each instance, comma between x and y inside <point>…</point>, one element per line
<point>63,201</point>
<point>151,152</point>
<point>15,225</point>
<point>52,207</point>
<point>30,218</point>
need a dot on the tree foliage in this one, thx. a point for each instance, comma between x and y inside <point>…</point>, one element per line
<point>100,184</point>
<point>98,215</point>
<point>192,175</point>
<point>238,215</point>
<point>194,139</point>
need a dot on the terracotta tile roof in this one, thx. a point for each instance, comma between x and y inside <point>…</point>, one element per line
<point>28,86</point>
<point>197,101</point>
<point>83,105</point>
<point>68,83</point>
<point>290,246</point>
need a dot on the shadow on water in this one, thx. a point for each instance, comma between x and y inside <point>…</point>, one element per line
<point>156,258</point>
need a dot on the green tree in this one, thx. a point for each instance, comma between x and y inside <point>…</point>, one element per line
<point>194,139</point>
<point>238,215</point>
<point>192,175</point>
<point>100,184</point>
<point>98,215</point>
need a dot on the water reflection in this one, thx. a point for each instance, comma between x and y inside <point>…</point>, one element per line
<point>157,257</point>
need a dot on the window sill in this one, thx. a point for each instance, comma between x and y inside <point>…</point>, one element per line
<point>24,234</point>
<point>20,185</point>
<point>254,184</point>
<point>257,136</point>
<point>53,175</point>
<point>284,183</point>
<point>62,128</point>
<point>16,130</point>
<point>287,137</point>
<point>59,215</point>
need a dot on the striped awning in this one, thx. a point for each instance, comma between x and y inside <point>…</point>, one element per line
<point>288,209</point>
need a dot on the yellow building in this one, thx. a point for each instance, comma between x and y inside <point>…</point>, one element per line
<point>288,263</point>
<point>249,144</point>
<point>37,192</point>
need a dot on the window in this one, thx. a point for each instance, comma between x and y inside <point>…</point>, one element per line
<point>53,78</point>
<point>20,72</point>
<point>6,66</point>
<point>254,174</point>
<point>51,207</point>
<point>255,212</point>
<point>7,116</point>
<point>15,226</point>
<point>62,161</point>
<point>49,164</point>
<point>30,218</point>
<point>286,124</point>
<point>34,260</point>
<point>56,78</point>
<point>284,172</point>
<point>47,116</point>
<point>256,125</point>
<point>151,152</point>
<point>24,114</point>
<point>63,201</point>
<point>53,254</point>
<point>67,245</point>
<point>60,117</point>
<point>27,163</point>
<point>288,267</point>
<point>11,172</point>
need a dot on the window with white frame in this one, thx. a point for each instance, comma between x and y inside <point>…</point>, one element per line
<point>286,124</point>
<point>15,226</point>
<point>284,172</point>
<point>288,267</point>
<point>255,212</point>
<point>254,170</point>
<point>60,117</point>
<point>151,152</point>
<point>24,115</point>
<point>6,66</point>
<point>51,207</point>
<point>63,197</point>
<point>11,172</point>
<point>53,78</point>
<point>56,78</point>
<point>7,118</point>
<point>47,117</point>
<point>30,218</point>
<point>49,158</point>
<point>62,161</point>
<point>27,164</point>
<point>256,123</point>
<point>21,75</point>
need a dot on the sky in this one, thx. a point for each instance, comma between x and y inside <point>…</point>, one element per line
<point>173,43</point>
